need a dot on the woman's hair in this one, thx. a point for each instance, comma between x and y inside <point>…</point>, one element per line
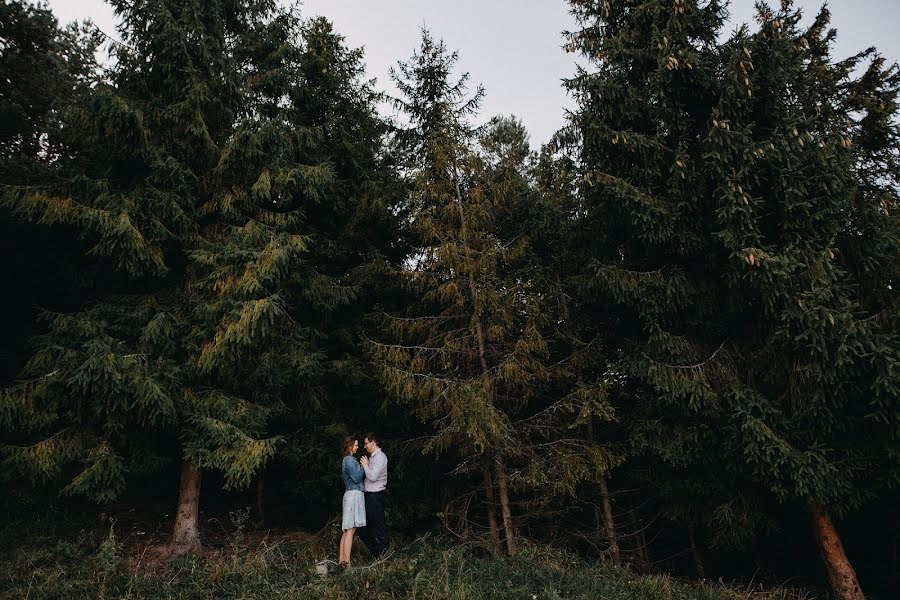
<point>347,445</point>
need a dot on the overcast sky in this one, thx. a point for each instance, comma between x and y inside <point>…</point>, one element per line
<point>513,47</point>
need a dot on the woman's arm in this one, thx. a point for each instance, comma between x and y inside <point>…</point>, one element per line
<point>355,471</point>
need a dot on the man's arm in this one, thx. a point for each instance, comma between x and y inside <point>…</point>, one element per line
<point>375,468</point>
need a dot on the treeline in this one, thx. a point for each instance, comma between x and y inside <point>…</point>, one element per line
<point>672,327</point>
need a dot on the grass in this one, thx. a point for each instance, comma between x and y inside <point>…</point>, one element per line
<point>47,562</point>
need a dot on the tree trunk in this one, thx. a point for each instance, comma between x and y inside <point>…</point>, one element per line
<point>504,509</point>
<point>841,575</point>
<point>895,555</point>
<point>186,536</point>
<point>490,506</point>
<point>645,549</point>
<point>609,524</point>
<point>759,558</point>
<point>261,500</point>
<point>695,553</point>
<point>636,535</point>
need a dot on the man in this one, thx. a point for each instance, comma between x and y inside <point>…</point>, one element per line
<point>375,534</point>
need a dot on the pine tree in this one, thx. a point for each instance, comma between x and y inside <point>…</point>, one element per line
<point>464,353</point>
<point>41,68</point>
<point>722,187</point>
<point>356,240</point>
<point>185,173</point>
<point>564,460</point>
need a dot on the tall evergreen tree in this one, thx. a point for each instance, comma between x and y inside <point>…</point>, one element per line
<point>564,460</point>
<point>719,182</point>
<point>465,352</point>
<point>356,241</point>
<point>195,172</point>
<point>43,69</point>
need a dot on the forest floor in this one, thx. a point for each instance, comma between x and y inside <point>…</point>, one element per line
<point>50,559</point>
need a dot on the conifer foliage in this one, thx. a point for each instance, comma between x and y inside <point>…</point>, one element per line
<point>465,353</point>
<point>41,67</point>
<point>721,181</point>
<point>200,171</point>
<point>683,307</point>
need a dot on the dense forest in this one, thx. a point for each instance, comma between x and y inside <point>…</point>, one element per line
<point>666,341</point>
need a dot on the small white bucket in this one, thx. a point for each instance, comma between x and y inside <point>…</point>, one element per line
<point>322,568</point>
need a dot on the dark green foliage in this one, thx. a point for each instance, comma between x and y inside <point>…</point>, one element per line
<point>151,186</point>
<point>41,68</point>
<point>687,299</point>
<point>722,195</point>
<point>227,167</point>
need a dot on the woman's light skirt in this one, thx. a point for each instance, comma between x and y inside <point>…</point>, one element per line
<point>354,513</point>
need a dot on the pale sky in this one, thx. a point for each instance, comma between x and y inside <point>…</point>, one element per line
<point>514,47</point>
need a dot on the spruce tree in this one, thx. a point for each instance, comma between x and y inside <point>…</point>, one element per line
<point>356,242</point>
<point>464,353</point>
<point>564,459</point>
<point>186,175</point>
<point>43,69</point>
<point>723,189</point>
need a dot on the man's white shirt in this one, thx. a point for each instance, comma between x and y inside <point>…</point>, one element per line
<point>376,472</point>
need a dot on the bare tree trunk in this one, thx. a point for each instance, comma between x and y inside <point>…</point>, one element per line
<point>609,524</point>
<point>630,537</point>
<point>504,509</point>
<point>261,499</point>
<point>186,536</point>
<point>892,527</point>
<point>695,552</point>
<point>637,538</point>
<point>841,575</point>
<point>490,506</point>
<point>759,558</point>
<point>645,549</point>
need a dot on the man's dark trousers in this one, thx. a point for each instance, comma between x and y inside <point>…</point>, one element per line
<point>375,534</point>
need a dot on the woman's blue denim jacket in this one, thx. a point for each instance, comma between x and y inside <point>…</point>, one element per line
<point>353,474</point>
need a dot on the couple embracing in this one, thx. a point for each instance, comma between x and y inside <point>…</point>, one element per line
<point>363,506</point>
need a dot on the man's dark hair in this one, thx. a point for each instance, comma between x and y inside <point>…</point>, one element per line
<point>372,437</point>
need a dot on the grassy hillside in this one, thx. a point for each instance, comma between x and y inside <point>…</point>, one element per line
<point>98,562</point>
<point>42,561</point>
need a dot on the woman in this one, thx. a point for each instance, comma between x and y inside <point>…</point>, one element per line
<point>354,505</point>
